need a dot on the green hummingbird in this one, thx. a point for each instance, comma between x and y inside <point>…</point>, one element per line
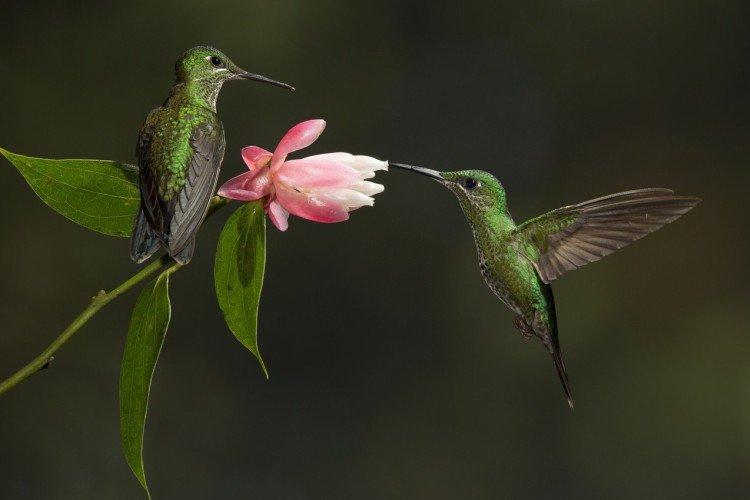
<point>180,149</point>
<point>519,261</point>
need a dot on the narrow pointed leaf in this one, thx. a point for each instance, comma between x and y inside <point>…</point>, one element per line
<point>148,325</point>
<point>101,195</point>
<point>238,273</point>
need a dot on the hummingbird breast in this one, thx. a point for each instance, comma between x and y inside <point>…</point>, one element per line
<point>510,276</point>
<point>495,282</point>
<point>514,281</point>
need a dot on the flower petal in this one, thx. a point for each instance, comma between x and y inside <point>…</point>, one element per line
<point>252,154</point>
<point>365,165</point>
<point>248,186</point>
<point>368,188</point>
<point>298,137</point>
<point>306,174</point>
<point>314,207</point>
<point>278,215</point>
<point>350,198</point>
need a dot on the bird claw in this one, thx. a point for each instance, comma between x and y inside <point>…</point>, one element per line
<point>526,332</point>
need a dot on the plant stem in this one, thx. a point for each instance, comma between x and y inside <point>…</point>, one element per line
<point>98,302</point>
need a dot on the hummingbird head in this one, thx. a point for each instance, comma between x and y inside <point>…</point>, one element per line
<point>480,194</point>
<point>210,68</point>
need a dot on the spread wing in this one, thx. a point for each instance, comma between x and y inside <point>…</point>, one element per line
<point>201,174</point>
<point>572,236</point>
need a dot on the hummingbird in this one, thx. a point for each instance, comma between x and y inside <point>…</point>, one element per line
<point>518,262</point>
<point>180,150</point>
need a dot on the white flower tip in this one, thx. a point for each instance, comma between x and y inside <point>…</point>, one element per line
<point>361,203</point>
<point>379,164</point>
<point>368,188</point>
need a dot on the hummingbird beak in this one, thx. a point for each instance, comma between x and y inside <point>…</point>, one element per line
<point>261,78</point>
<point>424,171</point>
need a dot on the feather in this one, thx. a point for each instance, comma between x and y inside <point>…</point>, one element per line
<point>575,235</point>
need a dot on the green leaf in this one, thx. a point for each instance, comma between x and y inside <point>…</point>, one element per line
<point>101,195</point>
<point>148,325</point>
<point>238,273</point>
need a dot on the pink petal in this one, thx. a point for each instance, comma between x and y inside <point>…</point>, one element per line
<point>278,215</point>
<point>314,207</point>
<point>306,174</point>
<point>248,186</point>
<point>298,137</point>
<point>251,155</point>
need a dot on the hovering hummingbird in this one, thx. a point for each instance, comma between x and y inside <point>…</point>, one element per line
<point>519,261</point>
<point>180,149</point>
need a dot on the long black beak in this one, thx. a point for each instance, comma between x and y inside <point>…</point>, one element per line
<point>261,78</point>
<point>424,171</point>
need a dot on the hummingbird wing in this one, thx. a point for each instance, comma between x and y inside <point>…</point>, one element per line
<point>154,209</point>
<point>572,236</point>
<point>201,174</point>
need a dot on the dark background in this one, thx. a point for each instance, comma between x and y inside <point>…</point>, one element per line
<point>394,372</point>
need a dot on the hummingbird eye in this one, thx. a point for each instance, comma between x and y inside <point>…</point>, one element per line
<point>470,183</point>
<point>217,62</point>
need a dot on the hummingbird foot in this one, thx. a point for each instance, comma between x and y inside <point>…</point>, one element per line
<point>526,331</point>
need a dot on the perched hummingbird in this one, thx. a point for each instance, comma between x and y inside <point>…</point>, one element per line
<point>519,261</point>
<point>180,149</point>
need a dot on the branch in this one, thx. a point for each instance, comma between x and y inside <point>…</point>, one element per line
<point>97,302</point>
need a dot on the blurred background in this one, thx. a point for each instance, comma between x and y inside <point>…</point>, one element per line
<point>394,372</point>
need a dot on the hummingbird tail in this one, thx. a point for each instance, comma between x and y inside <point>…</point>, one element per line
<point>560,365</point>
<point>144,241</point>
<point>186,254</point>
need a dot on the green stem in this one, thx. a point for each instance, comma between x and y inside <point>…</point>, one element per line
<point>98,302</point>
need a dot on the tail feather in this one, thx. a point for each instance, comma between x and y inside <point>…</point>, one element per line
<point>144,242</point>
<point>545,326</point>
<point>184,255</point>
<point>560,365</point>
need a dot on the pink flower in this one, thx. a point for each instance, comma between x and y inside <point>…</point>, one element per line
<point>320,188</point>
